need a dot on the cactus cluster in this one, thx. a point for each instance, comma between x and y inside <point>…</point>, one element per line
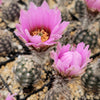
<point>26,71</point>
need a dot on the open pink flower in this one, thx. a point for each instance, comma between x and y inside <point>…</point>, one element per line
<point>70,61</point>
<point>10,97</point>
<point>93,5</point>
<point>40,26</point>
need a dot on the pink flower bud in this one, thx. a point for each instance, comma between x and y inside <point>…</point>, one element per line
<point>70,61</point>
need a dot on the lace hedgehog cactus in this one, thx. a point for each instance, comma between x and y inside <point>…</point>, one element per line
<point>12,12</point>
<point>5,44</point>
<point>91,78</point>
<point>69,63</point>
<point>87,37</point>
<point>26,71</point>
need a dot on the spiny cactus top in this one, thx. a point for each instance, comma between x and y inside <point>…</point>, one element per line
<point>91,78</point>
<point>87,37</point>
<point>59,90</point>
<point>70,61</point>
<point>12,12</point>
<point>5,43</point>
<point>40,26</point>
<point>79,8</point>
<point>26,70</point>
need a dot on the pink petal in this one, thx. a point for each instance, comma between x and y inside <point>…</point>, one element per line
<point>63,50</point>
<point>86,53</point>
<point>45,5</point>
<point>62,27</point>
<point>67,59</point>
<point>24,20</point>
<point>58,30</point>
<point>75,70</point>
<point>32,6</point>
<point>50,42</point>
<point>59,66</point>
<point>21,33</point>
<point>58,48</point>
<point>85,63</point>
<point>0,2</point>
<point>28,35</point>
<point>54,18</point>
<point>80,47</point>
<point>77,59</point>
<point>97,5</point>
<point>10,97</point>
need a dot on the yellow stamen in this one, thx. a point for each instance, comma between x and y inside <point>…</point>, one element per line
<point>41,32</point>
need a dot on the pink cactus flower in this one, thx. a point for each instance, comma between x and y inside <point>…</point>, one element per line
<point>70,61</point>
<point>93,5</point>
<point>40,26</point>
<point>10,97</point>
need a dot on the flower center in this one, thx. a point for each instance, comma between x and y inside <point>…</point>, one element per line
<point>41,32</point>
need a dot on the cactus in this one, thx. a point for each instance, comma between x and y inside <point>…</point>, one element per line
<point>80,8</point>
<point>12,12</point>
<point>5,44</point>
<point>91,78</point>
<point>26,71</point>
<point>87,37</point>
<point>59,91</point>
